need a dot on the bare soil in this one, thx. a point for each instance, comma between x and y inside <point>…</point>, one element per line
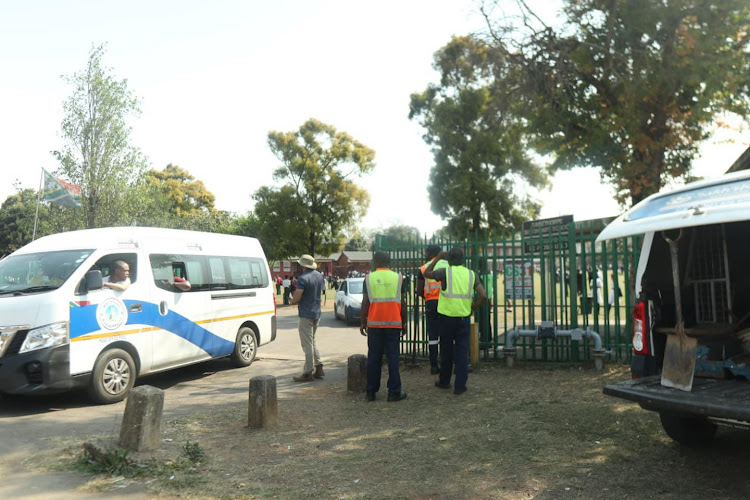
<point>534,431</point>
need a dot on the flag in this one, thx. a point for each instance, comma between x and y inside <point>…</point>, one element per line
<point>59,191</point>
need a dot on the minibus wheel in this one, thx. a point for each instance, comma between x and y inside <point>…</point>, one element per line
<point>113,376</point>
<point>245,347</point>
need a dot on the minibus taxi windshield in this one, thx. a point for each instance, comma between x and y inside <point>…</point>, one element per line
<point>39,272</point>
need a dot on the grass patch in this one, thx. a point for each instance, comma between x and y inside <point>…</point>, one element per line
<point>526,432</point>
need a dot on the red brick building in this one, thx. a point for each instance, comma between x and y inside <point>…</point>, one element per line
<point>338,264</point>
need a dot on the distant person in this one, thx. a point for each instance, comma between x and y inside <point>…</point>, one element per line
<point>383,321</point>
<point>119,279</point>
<point>310,286</point>
<point>455,306</point>
<point>278,285</point>
<point>287,284</point>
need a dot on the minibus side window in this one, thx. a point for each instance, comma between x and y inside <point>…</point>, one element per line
<point>218,275</point>
<point>246,272</point>
<point>163,265</point>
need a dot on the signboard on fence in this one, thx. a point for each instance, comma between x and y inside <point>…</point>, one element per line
<point>546,235</point>
<point>519,280</point>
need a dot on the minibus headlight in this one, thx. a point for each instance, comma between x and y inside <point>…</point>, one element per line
<point>355,303</point>
<point>46,336</point>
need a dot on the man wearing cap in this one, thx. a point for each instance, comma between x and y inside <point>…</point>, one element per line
<point>310,286</point>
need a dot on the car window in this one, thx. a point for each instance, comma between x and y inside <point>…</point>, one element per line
<point>356,286</point>
<point>343,287</point>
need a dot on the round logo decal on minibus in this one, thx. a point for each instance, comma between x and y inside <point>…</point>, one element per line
<point>111,313</point>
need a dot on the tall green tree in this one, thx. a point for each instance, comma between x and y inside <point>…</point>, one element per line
<point>275,221</point>
<point>318,168</point>
<point>401,233</point>
<point>97,154</point>
<point>17,220</point>
<point>358,243</point>
<point>477,139</point>
<point>632,87</point>
<point>184,194</point>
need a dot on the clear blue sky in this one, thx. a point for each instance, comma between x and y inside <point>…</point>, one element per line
<point>216,77</point>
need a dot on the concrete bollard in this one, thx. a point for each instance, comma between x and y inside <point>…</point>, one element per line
<point>141,424</point>
<point>474,346</point>
<point>263,407</point>
<point>356,374</point>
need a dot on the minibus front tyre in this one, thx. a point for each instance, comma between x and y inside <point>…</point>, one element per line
<point>113,376</point>
<point>245,348</point>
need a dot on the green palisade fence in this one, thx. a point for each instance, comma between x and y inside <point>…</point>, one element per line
<point>560,276</point>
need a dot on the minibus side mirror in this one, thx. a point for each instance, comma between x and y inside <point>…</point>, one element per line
<point>94,280</point>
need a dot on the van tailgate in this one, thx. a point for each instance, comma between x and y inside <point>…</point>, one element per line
<point>716,398</point>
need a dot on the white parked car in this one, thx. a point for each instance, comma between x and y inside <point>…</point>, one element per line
<point>348,301</point>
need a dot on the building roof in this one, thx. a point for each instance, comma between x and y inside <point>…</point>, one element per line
<point>358,256</point>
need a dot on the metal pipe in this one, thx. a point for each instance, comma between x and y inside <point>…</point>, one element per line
<point>598,352</point>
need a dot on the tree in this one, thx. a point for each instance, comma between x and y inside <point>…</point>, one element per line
<point>358,243</point>
<point>318,164</point>
<point>276,222</point>
<point>631,87</point>
<point>477,140</point>
<point>401,233</point>
<point>17,220</point>
<point>97,154</point>
<point>184,194</point>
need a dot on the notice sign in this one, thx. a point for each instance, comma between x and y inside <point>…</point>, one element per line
<point>519,280</point>
<point>546,235</point>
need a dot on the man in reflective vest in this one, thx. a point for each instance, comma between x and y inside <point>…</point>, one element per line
<point>383,322</point>
<point>455,307</point>
<point>429,290</point>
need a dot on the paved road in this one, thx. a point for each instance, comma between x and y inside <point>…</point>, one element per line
<point>27,425</point>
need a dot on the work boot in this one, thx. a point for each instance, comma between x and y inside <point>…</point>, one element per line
<point>305,377</point>
<point>319,373</point>
<point>434,369</point>
<point>370,396</point>
<point>395,396</point>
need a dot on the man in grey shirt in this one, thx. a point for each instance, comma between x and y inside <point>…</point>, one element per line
<point>310,286</point>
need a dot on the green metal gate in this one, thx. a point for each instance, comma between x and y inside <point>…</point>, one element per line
<point>556,273</point>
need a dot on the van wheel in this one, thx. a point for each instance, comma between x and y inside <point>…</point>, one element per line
<point>245,348</point>
<point>688,431</point>
<point>113,376</point>
<point>336,312</point>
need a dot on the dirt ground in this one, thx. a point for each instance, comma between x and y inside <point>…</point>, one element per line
<point>534,431</point>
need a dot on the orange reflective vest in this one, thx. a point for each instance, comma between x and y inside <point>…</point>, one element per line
<point>384,293</point>
<point>432,287</point>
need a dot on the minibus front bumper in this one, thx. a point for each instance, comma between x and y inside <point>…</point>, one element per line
<point>42,371</point>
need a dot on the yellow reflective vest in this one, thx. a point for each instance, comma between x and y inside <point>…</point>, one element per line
<point>455,300</point>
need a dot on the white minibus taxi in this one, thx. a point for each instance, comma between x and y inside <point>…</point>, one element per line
<point>192,297</point>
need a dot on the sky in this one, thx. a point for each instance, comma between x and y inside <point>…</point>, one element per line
<point>215,77</point>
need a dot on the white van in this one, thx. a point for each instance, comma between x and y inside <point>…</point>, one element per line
<point>60,328</point>
<point>713,273</point>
